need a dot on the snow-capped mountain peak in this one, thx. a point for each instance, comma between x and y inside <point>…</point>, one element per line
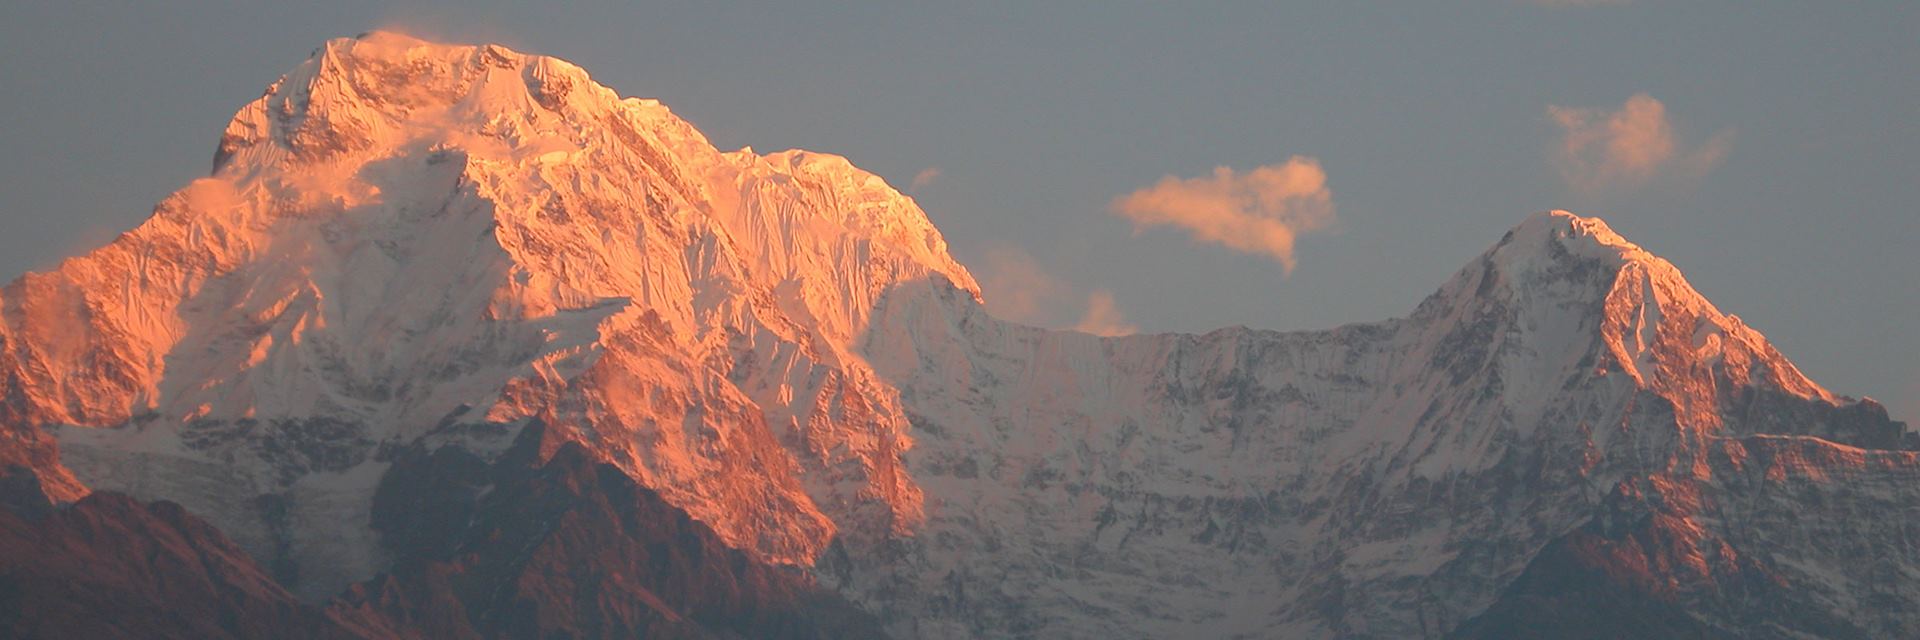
<point>1573,275</point>
<point>403,237</point>
<point>407,246</point>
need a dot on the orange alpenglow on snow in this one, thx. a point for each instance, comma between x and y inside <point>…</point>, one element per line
<point>408,249</point>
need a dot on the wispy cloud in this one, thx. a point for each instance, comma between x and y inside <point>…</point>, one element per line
<point>1018,288</point>
<point>924,178</point>
<point>1103,318</point>
<point>1261,211</point>
<point>1622,149</point>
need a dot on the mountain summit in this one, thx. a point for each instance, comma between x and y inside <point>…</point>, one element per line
<point>439,305</point>
<point>401,239</point>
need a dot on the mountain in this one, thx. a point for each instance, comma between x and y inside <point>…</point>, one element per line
<point>515,548</point>
<point>108,566</point>
<point>440,307</point>
<point>1376,480</point>
<point>569,548</point>
<point>403,243</point>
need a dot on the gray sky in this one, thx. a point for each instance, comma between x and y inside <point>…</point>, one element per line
<point>1771,150</point>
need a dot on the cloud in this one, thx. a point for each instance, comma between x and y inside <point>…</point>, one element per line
<point>924,178</point>
<point>1261,211</point>
<point>1622,149</point>
<point>1103,318</point>
<point>1018,288</point>
<point>1015,286</point>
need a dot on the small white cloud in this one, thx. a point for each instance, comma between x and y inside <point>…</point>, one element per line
<point>1623,149</point>
<point>1018,288</point>
<point>924,178</point>
<point>1261,211</point>
<point>1103,318</point>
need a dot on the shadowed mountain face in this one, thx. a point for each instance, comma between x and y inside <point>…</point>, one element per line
<point>464,336</point>
<point>111,567</point>
<point>518,548</point>
<point>571,548</point>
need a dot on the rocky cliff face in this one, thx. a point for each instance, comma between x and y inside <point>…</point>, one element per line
<point>542,543</point>
<point>108,566</point>
<point>570,548</point>
<point>407,253</point>
<point>1787,537</point>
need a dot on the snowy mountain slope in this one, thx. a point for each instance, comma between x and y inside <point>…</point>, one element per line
<point>410,245</point>
<point>402,239</point>
<point>1789,537</point>
<point>1374,480</point>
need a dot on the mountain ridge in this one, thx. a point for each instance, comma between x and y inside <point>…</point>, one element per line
<point>410,246</point>
<point>1563,361</point>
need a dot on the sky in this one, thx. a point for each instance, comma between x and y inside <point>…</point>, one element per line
<point>1119,167</point>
